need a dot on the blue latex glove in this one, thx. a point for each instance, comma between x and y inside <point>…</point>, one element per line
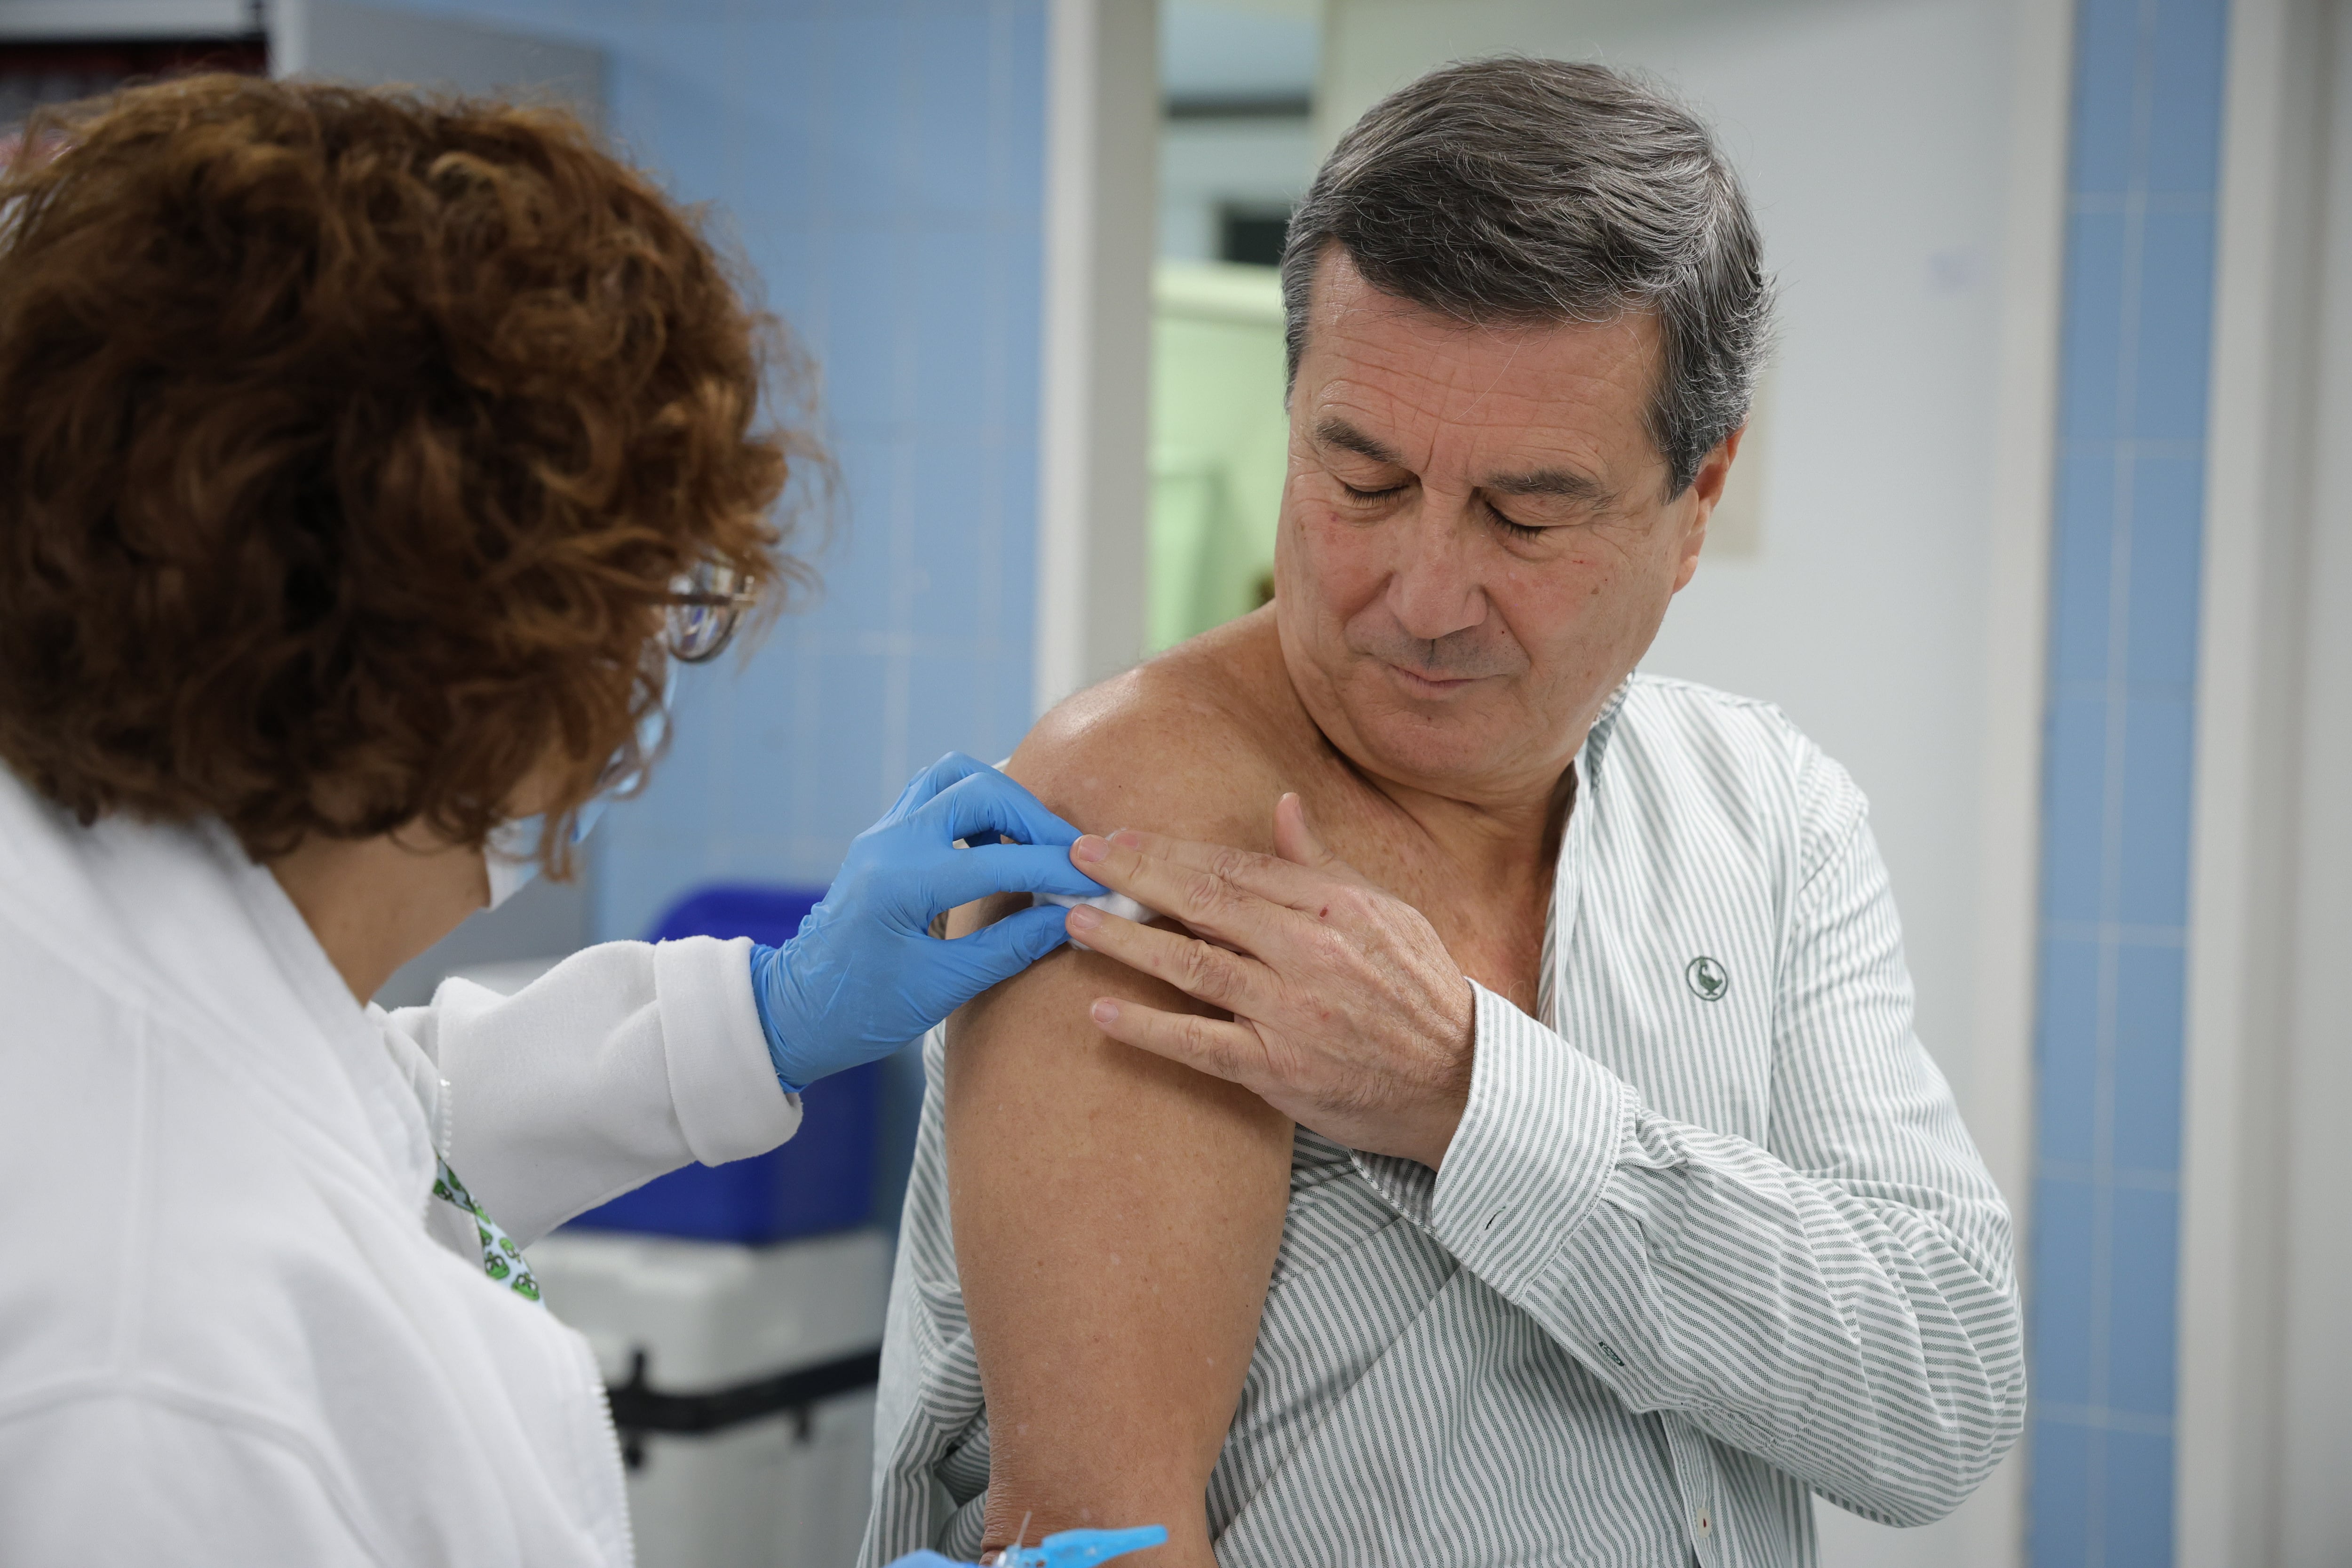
<point>1071,1549</point>
<point>865,975</point>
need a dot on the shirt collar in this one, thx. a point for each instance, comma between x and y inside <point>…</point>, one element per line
<point>1596,740</point>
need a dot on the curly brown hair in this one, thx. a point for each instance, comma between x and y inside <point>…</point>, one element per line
<point>350,443</point>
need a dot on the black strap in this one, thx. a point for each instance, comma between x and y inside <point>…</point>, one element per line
<point>638,1409</point>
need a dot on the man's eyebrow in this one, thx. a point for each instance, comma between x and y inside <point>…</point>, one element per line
<point>1564,483</point>
<point>1334,431</point>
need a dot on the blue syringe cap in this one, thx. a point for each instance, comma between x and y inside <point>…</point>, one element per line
<point>1084,1547</point>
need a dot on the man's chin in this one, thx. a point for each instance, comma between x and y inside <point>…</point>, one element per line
<point>1428,745</point>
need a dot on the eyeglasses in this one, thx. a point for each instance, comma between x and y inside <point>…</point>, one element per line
<point>705,604</point>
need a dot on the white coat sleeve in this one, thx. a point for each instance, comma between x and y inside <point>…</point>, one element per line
<point>622,1062</point>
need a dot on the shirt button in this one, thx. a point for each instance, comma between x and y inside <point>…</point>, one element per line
<point>1705,1523</point>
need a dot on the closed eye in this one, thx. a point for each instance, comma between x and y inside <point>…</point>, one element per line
<point>1514,530</point>
<point>1356,494</point>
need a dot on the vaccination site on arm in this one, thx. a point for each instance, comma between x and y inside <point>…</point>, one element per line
<point>1199,782</point>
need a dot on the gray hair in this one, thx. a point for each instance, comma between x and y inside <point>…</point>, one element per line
<point>1523,190</point>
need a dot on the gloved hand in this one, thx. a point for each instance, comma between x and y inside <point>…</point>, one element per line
<point>865,975</point>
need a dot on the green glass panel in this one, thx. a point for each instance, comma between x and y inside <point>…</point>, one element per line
<point>1220,443</point>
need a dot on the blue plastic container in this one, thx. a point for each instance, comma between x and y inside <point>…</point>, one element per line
<point>823,1179</point>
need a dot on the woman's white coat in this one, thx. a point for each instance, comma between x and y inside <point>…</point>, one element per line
<point>234,1325</point>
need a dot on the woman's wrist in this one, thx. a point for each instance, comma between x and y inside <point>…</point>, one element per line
<point>766,974</point>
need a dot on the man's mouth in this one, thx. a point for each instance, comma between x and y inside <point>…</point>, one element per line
<point>1419,684</point>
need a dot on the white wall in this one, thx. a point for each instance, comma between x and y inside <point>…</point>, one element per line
<point>1206,162</point>
<point>2317,1416</point>
<point>2313,1504</point>
<point>1102,142</point>
<point>1238,49</point>
<point>2265,1367</point>
<point>1227,57</point>
<point>1876,139</point>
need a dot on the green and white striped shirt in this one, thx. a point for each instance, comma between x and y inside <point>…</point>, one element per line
<point>1710,1239</point>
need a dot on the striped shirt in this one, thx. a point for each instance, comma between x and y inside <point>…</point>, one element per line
<point>1711,1239</point>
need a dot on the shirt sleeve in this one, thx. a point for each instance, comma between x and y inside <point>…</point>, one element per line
<point>622,1062</point>
<point>1840,1300</point>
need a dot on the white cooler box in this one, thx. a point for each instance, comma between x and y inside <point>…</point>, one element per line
<point>742,1383</point>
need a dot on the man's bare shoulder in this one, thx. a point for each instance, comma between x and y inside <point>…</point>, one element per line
<point>1199,742</point>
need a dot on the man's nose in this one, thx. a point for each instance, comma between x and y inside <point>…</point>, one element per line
<point>1433,584</point>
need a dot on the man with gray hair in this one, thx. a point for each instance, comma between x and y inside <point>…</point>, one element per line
<point>1507,1141</point>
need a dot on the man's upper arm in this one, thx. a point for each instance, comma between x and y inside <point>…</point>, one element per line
<point>1115,1214</point>
<point>1855,1092</point>
<point>1856,1097</point>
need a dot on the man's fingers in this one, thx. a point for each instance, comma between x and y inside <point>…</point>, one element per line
<point>1270,877</point>
<point>1209,974</point>
<point>1298,876</point>
<point>1209,903</point>
<point>1211,1046</point>
<point>1296,841</point>
<point>1170,865</point>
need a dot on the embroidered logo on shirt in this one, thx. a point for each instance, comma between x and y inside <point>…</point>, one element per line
<point>1708,980</point>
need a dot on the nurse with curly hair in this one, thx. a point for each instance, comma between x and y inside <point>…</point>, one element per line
<point>366,463</point>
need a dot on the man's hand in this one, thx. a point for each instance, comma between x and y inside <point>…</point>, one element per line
<point>1349,1015</point>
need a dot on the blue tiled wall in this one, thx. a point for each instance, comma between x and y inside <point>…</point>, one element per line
<point>880,165</point>
<point>2121,726</point>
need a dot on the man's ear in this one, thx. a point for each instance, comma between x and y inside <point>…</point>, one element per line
<point>1705,491</point>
